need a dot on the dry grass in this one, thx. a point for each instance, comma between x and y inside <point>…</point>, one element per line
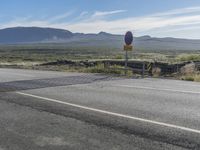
<point>192,77</point>
<point>156,72</point>
<point>188,69</point>
<point>188,57</point>
<point>189,73</point>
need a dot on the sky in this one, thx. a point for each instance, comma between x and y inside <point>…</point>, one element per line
<point>157,18</point>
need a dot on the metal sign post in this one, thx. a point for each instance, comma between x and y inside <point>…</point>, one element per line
<point>127,47</point>
<point>126,62</point>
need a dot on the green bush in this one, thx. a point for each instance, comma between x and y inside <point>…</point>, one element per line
<point>114,69</point>
<point>188,78</point>
<point>193,77</point>
<point>189,57</point>
<point>118,57</point>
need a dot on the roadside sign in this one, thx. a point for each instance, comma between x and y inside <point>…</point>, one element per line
<point>128,38</point>
<point>128,41</point>
<point>128,47</point>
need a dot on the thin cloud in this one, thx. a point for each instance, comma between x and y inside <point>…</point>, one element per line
<point>83,15</point>
<point>170,18</point>
<point>60,17</point>
<point>106,13</point>
<point>181,11</point>
<point>139,24</point>
<point>173,19</point>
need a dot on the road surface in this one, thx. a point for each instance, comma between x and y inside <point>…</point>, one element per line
<point>53,110</point>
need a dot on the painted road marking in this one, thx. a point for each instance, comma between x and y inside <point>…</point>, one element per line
<point>157,89</point>
<point>113,114</point>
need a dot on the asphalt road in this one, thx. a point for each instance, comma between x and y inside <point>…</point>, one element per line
<point>54,110</point>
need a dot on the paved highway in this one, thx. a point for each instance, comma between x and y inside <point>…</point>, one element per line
<point>53,110</point>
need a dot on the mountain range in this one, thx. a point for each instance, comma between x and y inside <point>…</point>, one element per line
<point>29,35</point>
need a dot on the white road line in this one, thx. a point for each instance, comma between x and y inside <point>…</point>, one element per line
<point>113,114</point>
<point>157,89</point>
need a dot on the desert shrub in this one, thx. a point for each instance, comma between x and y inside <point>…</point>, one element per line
<point>129,73</point>
<point>197,78</point>
<point>118,57</point>
<point>189,73</point>
<point>188,69</point>
<point>156,71</point>
<point>114,69</point>
<point>188,78</point>
<point>194,77</point>
<point>189,57</point>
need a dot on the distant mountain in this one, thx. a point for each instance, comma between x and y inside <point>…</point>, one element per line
<point>32,35</point>
<point>27,35</point>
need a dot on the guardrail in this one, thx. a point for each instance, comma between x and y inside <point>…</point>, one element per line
<point>145,68</point>
<point>197,65</point>
<point>142,67</point>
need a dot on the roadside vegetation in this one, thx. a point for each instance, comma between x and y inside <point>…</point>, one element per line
<point>188,57</point>
<point>189,73</point>
<point>113,69</point>
<point>34,56</point>
<point>96,68</point>
<point>192,77</point>
<point>53,52</point>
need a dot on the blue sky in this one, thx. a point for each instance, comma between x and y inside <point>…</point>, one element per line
<point>160,18</point>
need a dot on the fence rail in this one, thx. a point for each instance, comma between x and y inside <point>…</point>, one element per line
<point>147,67</point>
<point>143,67</point>
<point>197,65</point>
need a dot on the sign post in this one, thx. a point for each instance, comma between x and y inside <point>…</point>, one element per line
<point>126,62</point>
<point>127,47</point>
